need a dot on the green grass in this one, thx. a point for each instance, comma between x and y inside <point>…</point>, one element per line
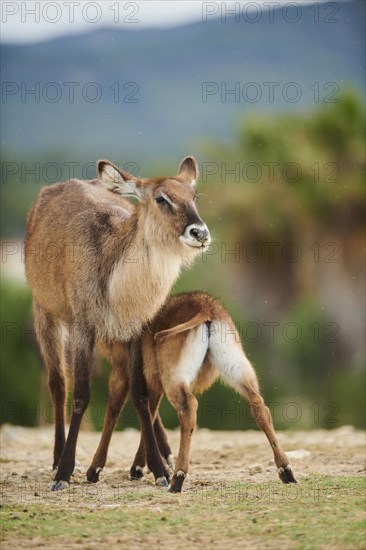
<point>324,512</point>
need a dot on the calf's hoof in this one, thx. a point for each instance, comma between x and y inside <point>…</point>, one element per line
<point>177,482</point>
<point>136,472</point>
<point>92,475</point>
<point>286,474</point>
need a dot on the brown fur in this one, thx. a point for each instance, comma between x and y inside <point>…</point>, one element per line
<point>134,252</point>
<point>99,268</point>
<point>164,344</point>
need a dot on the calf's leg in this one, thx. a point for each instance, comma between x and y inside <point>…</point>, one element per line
<point>185,403</point>
<point>140,398</point>
<point>230,360</point>
<point>263,418</point>
<point>136,471</point>
<point>117,395</point>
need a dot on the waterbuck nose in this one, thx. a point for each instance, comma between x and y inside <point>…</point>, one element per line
<point>201,234</point>
<point>196,235</point>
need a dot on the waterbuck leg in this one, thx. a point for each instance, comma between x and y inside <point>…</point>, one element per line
<point>49,339</point>
<point>139,394</point>
<point>82,344</point>
<point>186,405</point>
<point>263,418</point>
<point>136,471</point>
<point>163,443</point>
<point>139,462</point>
<point>235,368</point>
<point>118,391</point>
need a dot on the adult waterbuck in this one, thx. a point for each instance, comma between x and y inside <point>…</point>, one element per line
<point>99,269</point>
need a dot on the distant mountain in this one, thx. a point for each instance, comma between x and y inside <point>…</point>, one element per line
<point>168,68</point>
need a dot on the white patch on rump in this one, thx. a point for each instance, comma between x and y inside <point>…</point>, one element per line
<point>228,355</point>
<point>192,355</point>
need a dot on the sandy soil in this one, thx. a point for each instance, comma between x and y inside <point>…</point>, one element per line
<point>218,459</point>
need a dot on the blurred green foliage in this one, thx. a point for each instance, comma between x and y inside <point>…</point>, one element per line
<point>313,196</point>
<point>20,367</point>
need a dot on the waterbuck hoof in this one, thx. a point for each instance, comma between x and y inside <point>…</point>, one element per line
<point>59,485</point>
<point>162,482</point>
<point>136,473</point>
<point>92,475</point>
<point>175,487</point>
<point>286,474</point>
<point>177,482</point>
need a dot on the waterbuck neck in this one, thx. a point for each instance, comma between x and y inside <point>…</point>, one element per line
<point>139,284</point>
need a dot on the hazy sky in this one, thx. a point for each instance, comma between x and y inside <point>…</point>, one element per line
<point>26,21</point>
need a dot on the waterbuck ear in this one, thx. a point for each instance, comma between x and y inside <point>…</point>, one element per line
<point>117,180</point>
<point>188,169</point>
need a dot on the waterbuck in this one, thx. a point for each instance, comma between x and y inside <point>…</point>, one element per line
<point>99,269</point>
<point>190,343</point>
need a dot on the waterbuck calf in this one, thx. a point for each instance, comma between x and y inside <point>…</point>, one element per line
<point>190,343</point>
<point>100,268</point>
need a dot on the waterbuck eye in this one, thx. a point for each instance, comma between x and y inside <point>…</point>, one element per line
<point>160,199</point>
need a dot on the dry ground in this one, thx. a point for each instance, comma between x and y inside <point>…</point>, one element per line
<point>232,497</point>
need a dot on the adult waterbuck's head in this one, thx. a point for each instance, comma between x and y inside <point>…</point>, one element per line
<point>167,206</point>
